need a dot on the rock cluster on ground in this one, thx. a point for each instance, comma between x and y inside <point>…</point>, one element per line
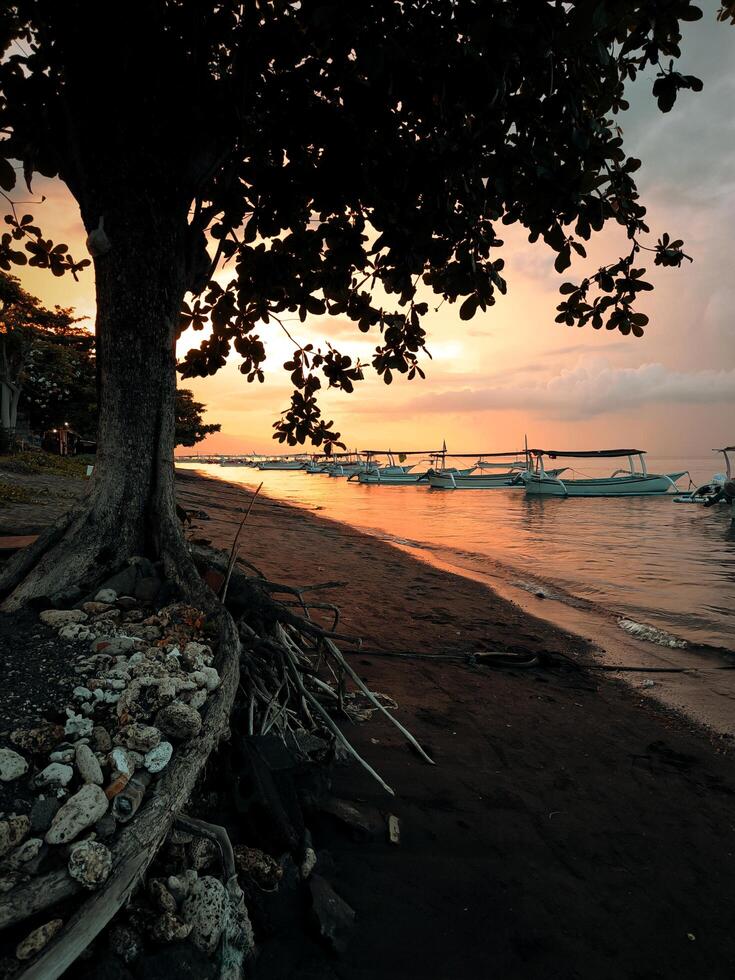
<point>142,685</point>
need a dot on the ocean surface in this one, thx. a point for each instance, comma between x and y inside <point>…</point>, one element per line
<point>646,559</point>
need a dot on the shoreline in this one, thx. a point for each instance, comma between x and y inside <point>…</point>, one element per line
<point>705,695</point>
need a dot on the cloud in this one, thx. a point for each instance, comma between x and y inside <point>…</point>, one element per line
<point>588,390</point>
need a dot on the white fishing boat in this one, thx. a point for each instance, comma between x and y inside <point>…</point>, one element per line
<point>629,482</point>
<point>720,489</point>
<point>393,473</point>
<point>281,463</point>
<point>497,471</point>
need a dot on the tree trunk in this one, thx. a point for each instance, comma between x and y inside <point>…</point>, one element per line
<point>130,507</point>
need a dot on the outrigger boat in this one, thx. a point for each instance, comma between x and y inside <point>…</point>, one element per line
<point>393,474</point>
<point>281,463</point>
<point>621,483</point>
<point>720,489</point>
<point>495,474</point>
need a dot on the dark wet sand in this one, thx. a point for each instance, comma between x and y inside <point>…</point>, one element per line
<point>570,829</point>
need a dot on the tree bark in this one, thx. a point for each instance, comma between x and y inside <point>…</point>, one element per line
<point>130,506</point>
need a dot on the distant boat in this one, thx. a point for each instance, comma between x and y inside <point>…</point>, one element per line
<point>281,464</point>
<point>720,488</point>
<point>621,483</point>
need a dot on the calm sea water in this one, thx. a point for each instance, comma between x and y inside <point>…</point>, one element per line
<point>667,565</point>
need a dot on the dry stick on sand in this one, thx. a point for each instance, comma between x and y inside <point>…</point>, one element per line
<point>233,552</point>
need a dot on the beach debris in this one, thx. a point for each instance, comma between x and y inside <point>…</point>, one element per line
<point>204,910</point>
<point>12,765</point>
<point>35,941</point>
<point>648,683</point>
<point>128,799</point>
<point>90,863</point>
<point>334,916</point>
<point>394,829</point>
<point>80,811</point>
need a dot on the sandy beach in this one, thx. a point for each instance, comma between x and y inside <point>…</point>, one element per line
<point>572,828</point>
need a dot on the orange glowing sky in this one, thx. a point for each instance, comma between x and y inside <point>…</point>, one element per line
<point>513,370</point>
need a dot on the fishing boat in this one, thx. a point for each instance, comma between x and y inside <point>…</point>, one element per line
<point>498,470</point>
<point>281,463</point>
<point>392,473</point>
<point>720,489</point>
<point>629,482</point>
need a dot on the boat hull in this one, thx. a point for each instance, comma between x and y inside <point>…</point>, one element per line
<point>480,481</point>
<point>390,479</point>
<point>295,465</point>
<point>632,485</point>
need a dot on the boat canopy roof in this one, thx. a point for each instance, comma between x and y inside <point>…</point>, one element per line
<point>401,452</point>
<point>590,454</point>
<point>515,452</point>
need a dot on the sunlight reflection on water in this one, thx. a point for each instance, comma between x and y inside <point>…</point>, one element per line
<point>670,565</point>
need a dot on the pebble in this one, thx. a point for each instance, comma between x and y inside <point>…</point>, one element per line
<point>180,885</point>
<point>204,910</point>
<point>95,608</point>
<point>167,927</point>
<point>43,812</point>
<point>41,739</point>
<point>120,761</point>
<point>159,757</point>
<point>12,832</point>
<point>198,699</point>
<point>79,812</point>
<point>12,765</point>
<point>101,740</point>
<point>88,766</point>
<point>56,618</point>
<point>90,864</point>
<point>36,940</point>
<point>161,896</point>
<point>115,644</point>
<point>106,595</point>
<point>77,724</point>
<point>264,870</point>
<point>55,774</point>
<point>75,631</point>
<point>206,677</point>
<point>63,755</point>
<point>141,738</point>
<point>179,720</point>
<point>27,851</point>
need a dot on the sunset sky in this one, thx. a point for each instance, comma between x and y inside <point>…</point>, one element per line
<point>513,370</point>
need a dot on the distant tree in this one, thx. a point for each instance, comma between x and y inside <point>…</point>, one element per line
<point>334,156</point>
<point>190,427</point>
<point>45,361</point>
